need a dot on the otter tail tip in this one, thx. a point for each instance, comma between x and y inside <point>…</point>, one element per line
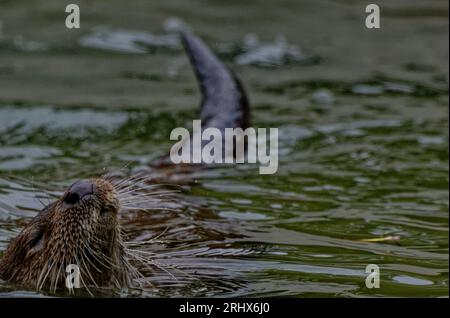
<point>224,100</point>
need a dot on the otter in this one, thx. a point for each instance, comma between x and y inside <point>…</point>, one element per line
<point>82,226</point>
<point>79,228</point>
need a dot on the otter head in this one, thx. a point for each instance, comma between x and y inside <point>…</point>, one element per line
<point>80,228</point>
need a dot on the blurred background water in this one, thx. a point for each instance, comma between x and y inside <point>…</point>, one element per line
<point>363,120</point>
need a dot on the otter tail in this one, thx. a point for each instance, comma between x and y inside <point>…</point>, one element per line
<point>224,102</point>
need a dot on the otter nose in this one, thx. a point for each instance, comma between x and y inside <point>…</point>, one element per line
<point>78,190</point>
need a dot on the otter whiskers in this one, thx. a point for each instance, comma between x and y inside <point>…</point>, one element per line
<point>135,193</point>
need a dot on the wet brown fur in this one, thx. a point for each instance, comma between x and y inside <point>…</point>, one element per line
<point>86,234</point>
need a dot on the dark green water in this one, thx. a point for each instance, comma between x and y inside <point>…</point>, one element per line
<point>363,172</point>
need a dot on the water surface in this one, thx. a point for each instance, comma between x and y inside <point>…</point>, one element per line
<point>363,172</point>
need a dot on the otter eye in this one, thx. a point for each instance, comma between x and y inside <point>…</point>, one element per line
<point>37,239</point>
<point>107,208</point>
<point>36,242</point>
